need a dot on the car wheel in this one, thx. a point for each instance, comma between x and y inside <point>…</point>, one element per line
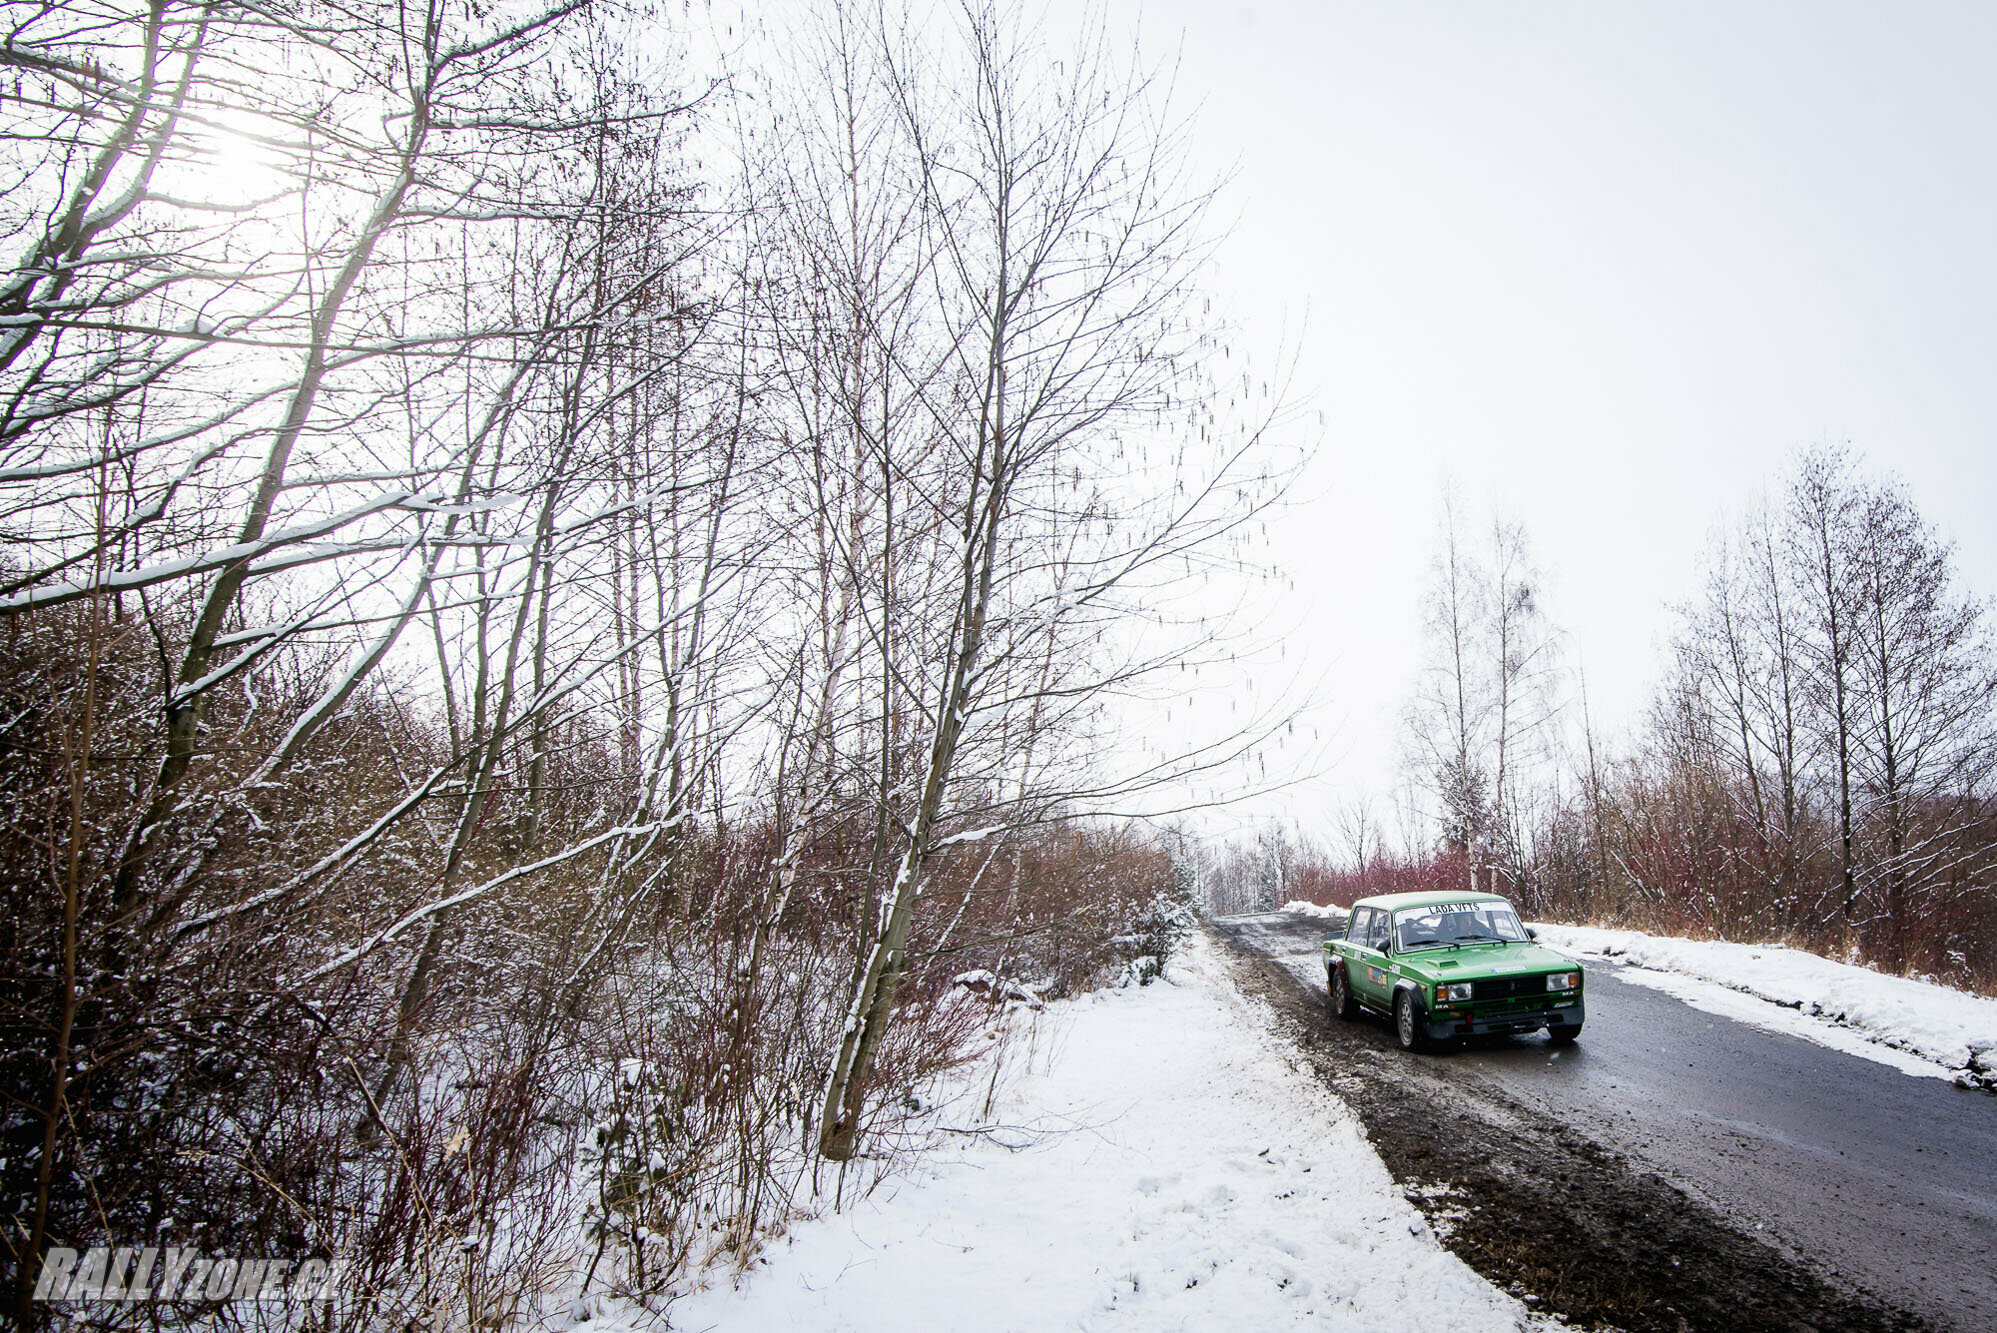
<point>1564,1035</point>
<point>1342,1002</point>
<point>1408,1025</point>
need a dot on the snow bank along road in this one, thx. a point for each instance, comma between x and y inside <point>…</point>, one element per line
<point>1677,1168</point>
<point>1157,1162</point>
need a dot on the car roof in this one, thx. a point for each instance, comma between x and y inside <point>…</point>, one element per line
<point>1430,898</point>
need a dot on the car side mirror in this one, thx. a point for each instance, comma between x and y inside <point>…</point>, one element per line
<point>1531,934</point>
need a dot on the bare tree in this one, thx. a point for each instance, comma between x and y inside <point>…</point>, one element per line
<point>1359,829</point>
<point>1775,686</point>
<point>1449,716</point>
<point>1822,511</point>
<point>1924,673</point>
<point>1485,710</point>
<point>1523,652</point>
<point>1065,249</point>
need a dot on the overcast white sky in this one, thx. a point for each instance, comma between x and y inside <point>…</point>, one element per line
<point>1607,266</point>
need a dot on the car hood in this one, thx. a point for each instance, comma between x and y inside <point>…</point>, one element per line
<point>1474,962</point>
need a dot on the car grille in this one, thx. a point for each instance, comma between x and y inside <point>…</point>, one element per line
<point>1503,988</point>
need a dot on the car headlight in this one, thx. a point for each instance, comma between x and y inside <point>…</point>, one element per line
<point>1563,980</point>
<point>1458,992</point>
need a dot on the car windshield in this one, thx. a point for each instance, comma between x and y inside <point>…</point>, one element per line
<point>1443,924</point>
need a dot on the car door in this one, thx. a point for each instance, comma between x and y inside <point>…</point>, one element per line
<point>1352,944</point>
<point>1366,972</point>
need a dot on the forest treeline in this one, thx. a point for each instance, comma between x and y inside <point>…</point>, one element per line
<point>558,590</point>
<point>1818,764</point>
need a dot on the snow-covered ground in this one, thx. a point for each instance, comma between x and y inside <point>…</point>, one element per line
<point>1915,1026</point>
<point>1298,907</point>
<point>1158,1164</point>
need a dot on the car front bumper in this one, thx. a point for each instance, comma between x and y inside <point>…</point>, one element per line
<point>1468,1022</point>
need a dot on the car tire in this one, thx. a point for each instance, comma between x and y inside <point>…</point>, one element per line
<point>1343,1002</point>
<point>1410,1028</point>
<point>1564,1035</point>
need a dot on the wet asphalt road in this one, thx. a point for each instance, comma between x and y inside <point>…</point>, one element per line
<point>1884,1180</point>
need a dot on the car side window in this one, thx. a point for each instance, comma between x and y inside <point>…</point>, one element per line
<point>1360,925</point>
<point>1378,925</point>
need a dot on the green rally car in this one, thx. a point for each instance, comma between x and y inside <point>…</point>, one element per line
<point>1448,965</point>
